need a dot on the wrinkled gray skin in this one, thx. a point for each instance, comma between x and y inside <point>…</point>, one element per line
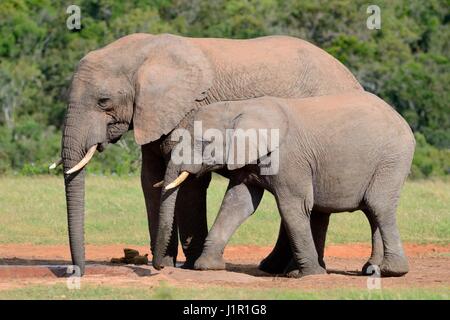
<point>336,153</point>
<point>149,83</point>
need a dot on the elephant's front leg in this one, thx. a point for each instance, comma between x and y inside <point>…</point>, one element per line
<point>153,169</point>
<point>190,212</point>
<point>239,203</point>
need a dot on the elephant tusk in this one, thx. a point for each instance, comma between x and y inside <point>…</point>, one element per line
<point>175,183</point>
<point>55,164</point>
<point>159,184</point>
<point>83,161</point>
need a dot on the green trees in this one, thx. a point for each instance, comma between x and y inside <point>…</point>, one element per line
<point>406,62</point>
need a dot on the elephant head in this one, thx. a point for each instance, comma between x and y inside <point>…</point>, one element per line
<point>223,135</point>
<point>142,82</point>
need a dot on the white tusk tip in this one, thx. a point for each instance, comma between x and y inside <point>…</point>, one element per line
<point>55,164</point>
<point>183,176</point>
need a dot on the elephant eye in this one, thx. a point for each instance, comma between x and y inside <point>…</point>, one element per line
<point>104,103</point>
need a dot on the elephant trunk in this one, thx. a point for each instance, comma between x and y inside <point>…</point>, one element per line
<point>75,216</point>
<point>166,226</point>
<point>73,150</point>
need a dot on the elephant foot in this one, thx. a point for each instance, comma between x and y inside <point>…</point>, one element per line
<point>292,270</point>
<point>271,267</point>
<point>168,261</point>
<point>394,266</point>
<point>188,264</point>
<point>273,264</point>
<point>371,266</point>
<point>297,273</point>
<point>210,262</point>
<point>190,261</point>
<point>322,263</point>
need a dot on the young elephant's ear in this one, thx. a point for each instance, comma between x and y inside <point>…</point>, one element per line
<point>175,75</point>
<point>258,128</point>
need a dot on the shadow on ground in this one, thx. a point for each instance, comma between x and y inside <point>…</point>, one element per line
<point>18,268</point>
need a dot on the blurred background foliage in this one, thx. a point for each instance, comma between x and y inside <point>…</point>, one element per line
<point>406,63</point>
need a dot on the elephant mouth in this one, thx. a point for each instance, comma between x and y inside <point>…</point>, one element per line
<point>114,140</point>
<point>102,146</point>
<point>115,132</point>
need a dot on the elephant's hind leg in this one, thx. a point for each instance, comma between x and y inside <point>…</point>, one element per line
<point>279,260</point>
<point>295,207</point>
<point>381,200</point>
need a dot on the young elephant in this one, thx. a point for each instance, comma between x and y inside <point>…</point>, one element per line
<point>331,154</point>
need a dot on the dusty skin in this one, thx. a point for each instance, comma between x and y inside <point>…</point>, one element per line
<point>23,265</point>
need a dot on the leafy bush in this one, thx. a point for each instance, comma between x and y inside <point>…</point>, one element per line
<point>406,62</point>
<point>429,161</point>
<point>27,147</point>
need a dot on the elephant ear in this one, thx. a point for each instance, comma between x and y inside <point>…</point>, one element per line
<point>172,79</point>
<point>257,131</point>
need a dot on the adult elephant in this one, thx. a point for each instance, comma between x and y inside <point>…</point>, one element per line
<point>149,83</point>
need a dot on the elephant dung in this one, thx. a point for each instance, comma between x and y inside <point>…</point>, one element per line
<point>141,259</point>
<point>131,256</point>
<point>130,253</point>
<point>118,260</point>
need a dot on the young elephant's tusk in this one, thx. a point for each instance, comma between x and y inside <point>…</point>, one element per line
<point>83,161</point>
<point>159,184</point>
<point>55,164</point>
<point>183,176</point>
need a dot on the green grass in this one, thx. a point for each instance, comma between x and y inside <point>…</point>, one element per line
<point>167,292</point>
<point>32,210</point>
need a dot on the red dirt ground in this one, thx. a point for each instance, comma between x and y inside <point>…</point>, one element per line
<point>26,264</point>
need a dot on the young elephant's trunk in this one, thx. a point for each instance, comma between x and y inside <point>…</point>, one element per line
<point>166,226</point>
